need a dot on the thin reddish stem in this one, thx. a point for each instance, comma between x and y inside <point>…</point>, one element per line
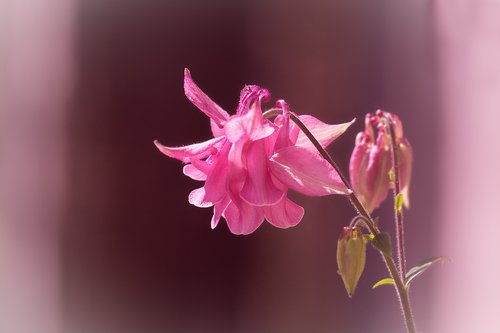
<point>398,212</point>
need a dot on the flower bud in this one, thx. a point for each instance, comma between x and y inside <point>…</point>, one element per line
<point>371,160</point>
<point>351,257</point>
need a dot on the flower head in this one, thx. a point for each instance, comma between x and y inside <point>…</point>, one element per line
<point>251,162</point>
<point>371,160</point>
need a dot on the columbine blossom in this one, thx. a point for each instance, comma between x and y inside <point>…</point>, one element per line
<point>371,161</point>
<point>251,162</point>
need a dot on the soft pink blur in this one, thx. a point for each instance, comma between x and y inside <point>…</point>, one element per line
<point>467,291</point>
<point>96,234</point>
<point>36,79</point>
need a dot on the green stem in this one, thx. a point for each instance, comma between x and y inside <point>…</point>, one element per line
<point>398,212</point>
<point>401,290</point>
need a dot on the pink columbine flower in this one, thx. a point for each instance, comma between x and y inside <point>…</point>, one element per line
<point>251,162</point>
<point>371,161</point>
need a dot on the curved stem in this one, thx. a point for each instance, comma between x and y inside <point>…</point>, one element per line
<point>398,212</point>
<point>360,219</point>
<point>399,283</point>
<point>352,196</point>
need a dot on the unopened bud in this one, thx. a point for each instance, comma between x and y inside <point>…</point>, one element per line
<point>351,257</point>
<point>371,161</point>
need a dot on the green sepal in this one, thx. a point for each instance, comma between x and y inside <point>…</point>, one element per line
<point>399,202</point>
<point>383,282</point>
<point>382,242</point>
<point>369,237</point>
<point>422,267</point>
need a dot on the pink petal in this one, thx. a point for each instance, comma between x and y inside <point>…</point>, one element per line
<point>283,133</point>
<point>236,172</point>
<point>241,217</point>
<point>215,185</point>
<point>285,136</point>
<point>284,214</point>
<point>248,94</point>
<point>324,133</point>
<point>197,150</point>
<point>250,126</point>
<point>197,198</point>
<point>377,178</point>
<point>219,209</point>
<point>203,167</point>
<point>202,101</point>
<point>270,144</point>
<point>216,130</point>
<point>259,189</point>
<point>306,172</point>
<point>398,128</point>
<point>192,172</point>
<point>358,167</point>
<point>243,220</point>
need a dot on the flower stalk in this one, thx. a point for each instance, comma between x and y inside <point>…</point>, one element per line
<point>358,205</point>
<point>398,212</point>
<point>397,276</point>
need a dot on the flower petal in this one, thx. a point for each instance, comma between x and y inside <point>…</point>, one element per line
<point>196,150</point>
<point>199,169</point>
<point>248,94</point>
<point>284,214</point>
<point>243,220</point>
<point>215,185</point>
<point>306,172</point>
<point>219,208</point>
<point>259,189</point>
<point>250,126</point>
<point>194,173</point>
<point>236,172</point>
<point>197,198</point>
<point>377,177</point>
<point>202,101</point>
<point>216,130</point>
<point>324,133</point>
<point>285,137</point>
<point>358,166</point>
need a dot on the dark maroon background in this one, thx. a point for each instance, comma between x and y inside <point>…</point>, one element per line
<point>137,257</point>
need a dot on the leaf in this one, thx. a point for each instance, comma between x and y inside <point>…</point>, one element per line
<point>383,282</point>
<point>422,267</point>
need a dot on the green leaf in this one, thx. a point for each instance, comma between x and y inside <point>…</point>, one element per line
<point>399,202</point>
<point>383,282</point>
<point>422,267</point>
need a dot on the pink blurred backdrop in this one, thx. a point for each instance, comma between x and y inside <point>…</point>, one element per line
<point>96,234</point>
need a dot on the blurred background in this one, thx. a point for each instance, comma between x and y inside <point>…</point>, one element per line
<point>96,234</point>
